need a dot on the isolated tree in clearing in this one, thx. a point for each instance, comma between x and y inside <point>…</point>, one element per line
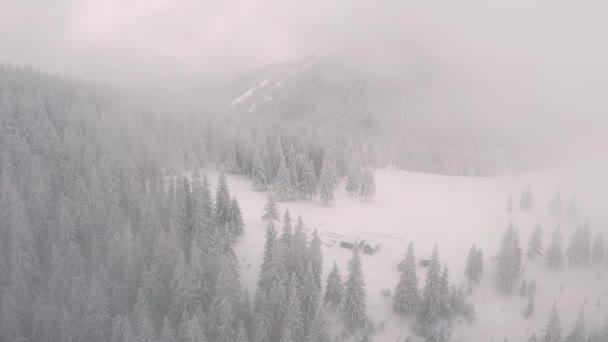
<point>368,184</point>
<point>508,266</point>
<point>535,248</point>
<point>554,252</point>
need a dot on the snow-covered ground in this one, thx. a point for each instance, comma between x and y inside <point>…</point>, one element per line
<point>453,213</point>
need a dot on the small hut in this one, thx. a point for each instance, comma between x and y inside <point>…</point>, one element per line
<point>370,247</point>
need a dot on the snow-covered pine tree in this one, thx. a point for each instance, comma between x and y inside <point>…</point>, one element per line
<point>530,306</point>
<point>446,310</point>
<point>532,287</point>
<point>230,162</point>
<point>523,290</point>
<point>316,258</point>
<point>23,262</point>
<point>579,251</point>
<point>354,300</point>
<point>508,266</point>
<point>259,174</point>
<point>599,249</point>
<point>368,184</point>
<point>556,204</point>
<point>242,334</point>
<point>226,299</point>
<point>235,222</point>
<point>191,330</point>
<point>262,324</point>
<point>334,289</point>
<point>578,333</point>
<point>283,186</point>
<point>287,233</point>
<point>299,253</point>
<point>407,295</point>
<point>554,252</point>
<point>430,304</point>
<point>327,182</point>
<point>553,330</point>
<point>319,331</point>
<point>167,334</point>
<point>308,181</point>
<point>353,181</point>
<point>222,202</point>
<point>271,211</point>
<point>144,327</point>
<point>183,292</point>
<point>293,324</point>
<point>535,244</point>
<point>309,298</point>
<point>479,264</point>
<point>472,270</point>
<point>269,245</point>
<point>526,202</point>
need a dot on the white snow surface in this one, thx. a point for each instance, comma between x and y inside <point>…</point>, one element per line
<point>453,213</point>
<point>244,96</point>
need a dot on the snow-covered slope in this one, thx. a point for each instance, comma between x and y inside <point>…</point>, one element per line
<point>453,213</point>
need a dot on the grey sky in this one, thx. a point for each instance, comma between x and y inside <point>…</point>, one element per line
<point>128,38</point>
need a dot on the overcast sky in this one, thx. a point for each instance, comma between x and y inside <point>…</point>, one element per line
<point>131,38</point>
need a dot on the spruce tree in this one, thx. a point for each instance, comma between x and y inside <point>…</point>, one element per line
<point>222,201</point>
<point>309,298</point>
<point>508,265</point>
<point>353,181</point>
<point>269,246</point>
<point>293,325</point>
<point>308,181</point>
<point>354,300</point>
<point>368,184</point>
<point>407,295</point>
<point>167,334</point>
<point>554,252</point>
<point>334,289</point>
<point>535,247</point>
<point>319,331</point>
<point>299,252</point>
<point>235,223</point>
<point>263,319</point>
<point>327,182</point>
<point>259,173</point>
<point>271,212</point>
<point>430,305</point>
<point>599,249</point>
<point>579,251</point>
<point>578,333</point>
<point>284,188</point>
<point>553,330</point>
<point>316,257</point>
<point>529,310</point>
<point>444,284</point>
<point>474,266</point>
<point>287,233</point>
